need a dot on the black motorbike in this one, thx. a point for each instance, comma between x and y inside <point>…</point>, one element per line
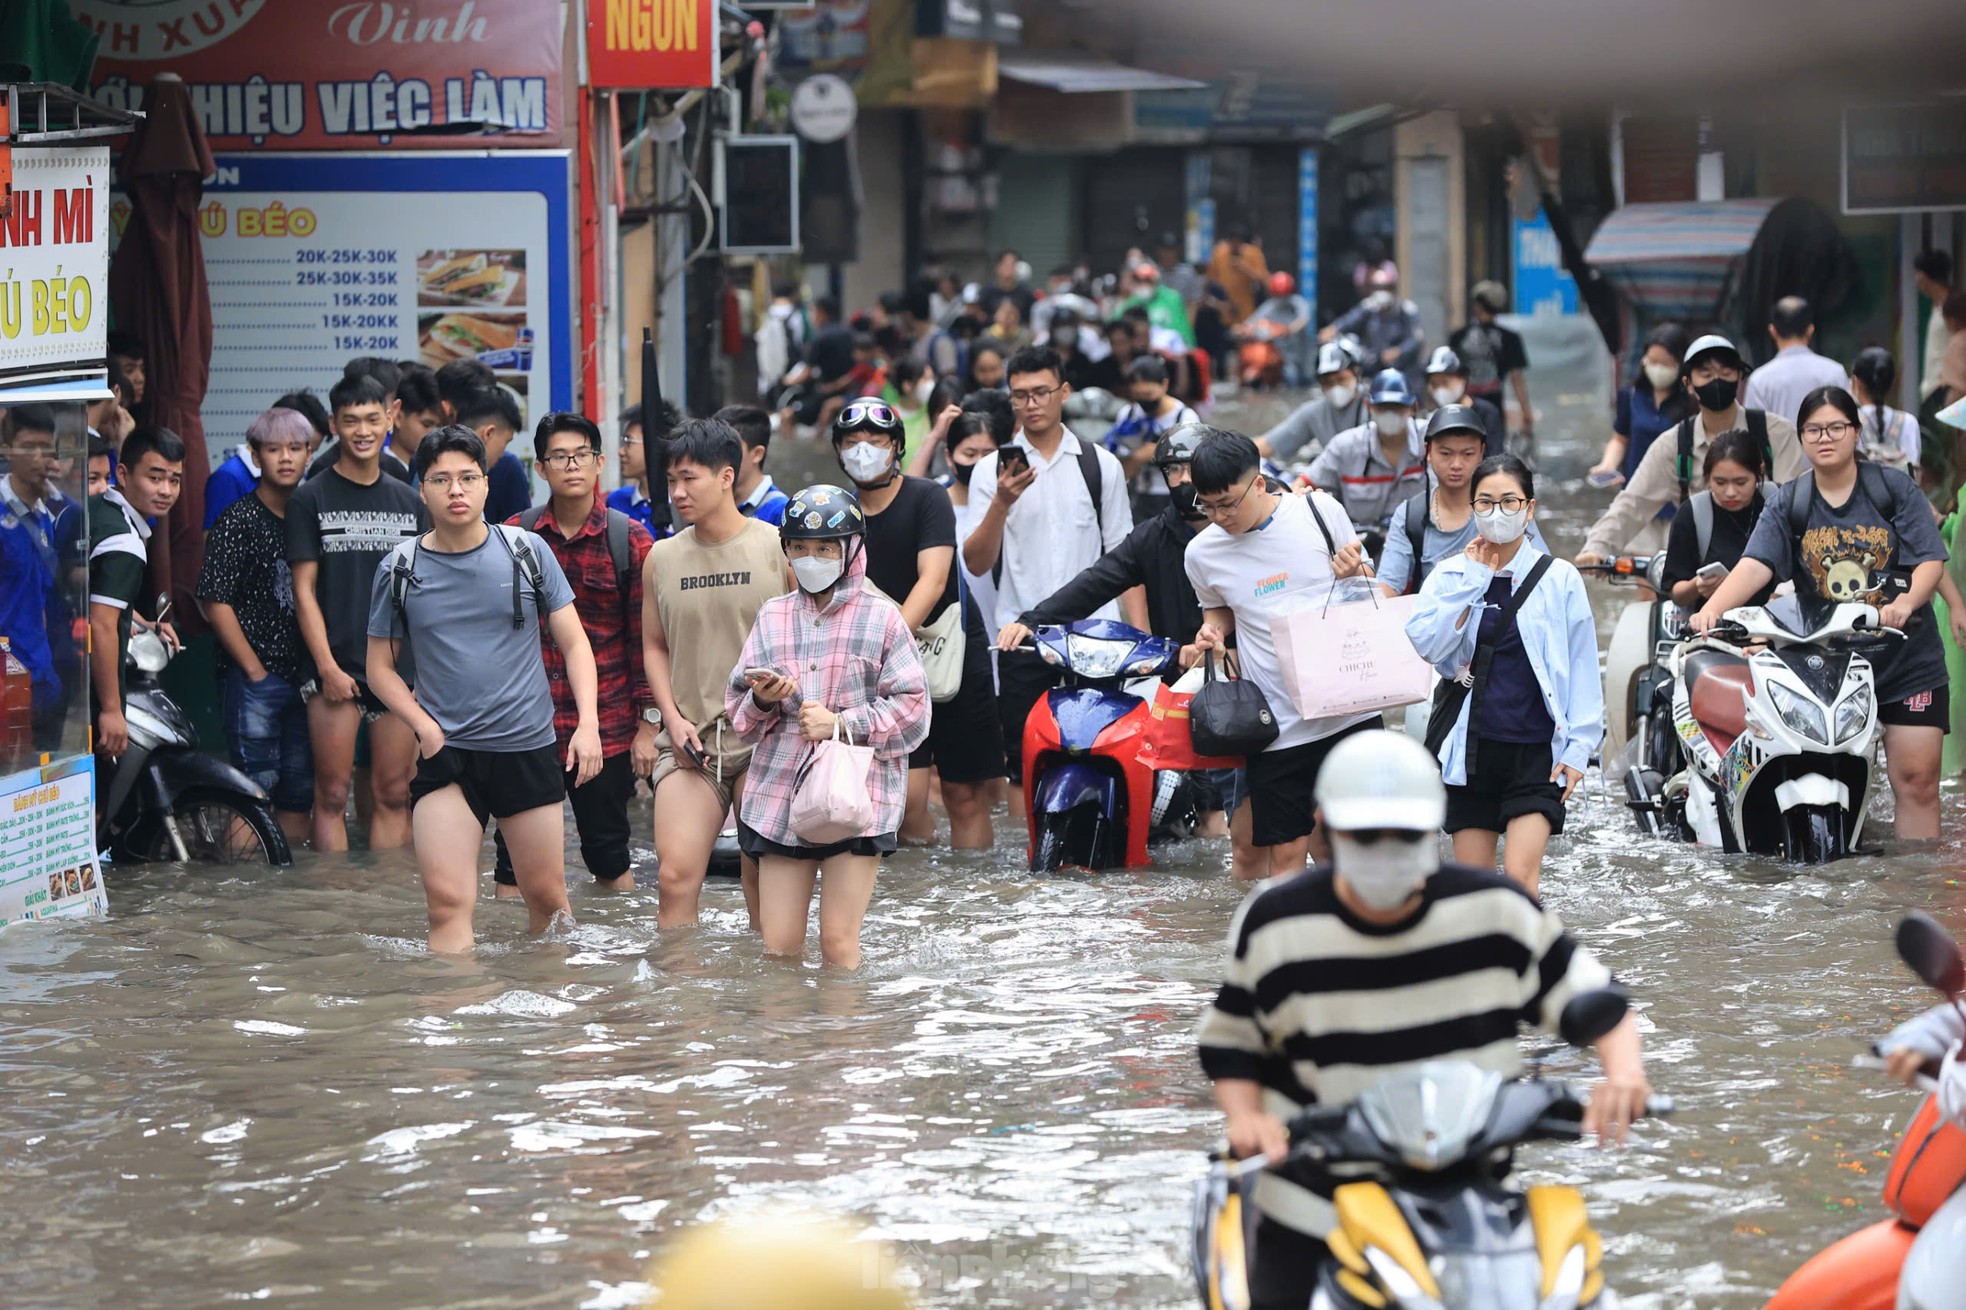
<point>165,799</point>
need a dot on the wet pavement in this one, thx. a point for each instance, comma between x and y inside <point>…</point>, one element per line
<point>259,1088</point>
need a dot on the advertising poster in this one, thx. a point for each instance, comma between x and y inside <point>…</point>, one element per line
<point>48,865</point>
<point>670,44</point>
<point>313,261</point>
<point>54,271</point>
<point>375,73</point>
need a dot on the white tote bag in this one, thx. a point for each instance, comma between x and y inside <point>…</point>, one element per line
<point>943,644</point>
<point>830,800</point>
<point>1352,658</point>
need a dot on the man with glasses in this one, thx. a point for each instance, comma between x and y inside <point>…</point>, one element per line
<point>1674,466</point>
<point>1379,960</point>
<point>339,526</point>
<point>601,551</point>
<point>1268,553</point>
<point>1054,504</point>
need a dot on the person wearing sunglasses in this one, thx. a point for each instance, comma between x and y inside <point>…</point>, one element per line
<point>1383,958</point>
<point>1852,531</point>
<point>1513,627</point>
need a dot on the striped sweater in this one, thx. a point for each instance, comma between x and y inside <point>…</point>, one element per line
<point>1319,1005</point>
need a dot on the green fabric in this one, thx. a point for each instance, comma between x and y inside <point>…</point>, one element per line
<point>914,427</point>
<point>1166,309</point>
<point>45,43</point>
<point>1953,761</point>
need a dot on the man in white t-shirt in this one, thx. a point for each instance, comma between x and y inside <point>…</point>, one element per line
<point>1057,506</point>
<point>1267,554</point>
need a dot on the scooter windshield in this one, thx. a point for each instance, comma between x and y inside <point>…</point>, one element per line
<point>1431,1114</point>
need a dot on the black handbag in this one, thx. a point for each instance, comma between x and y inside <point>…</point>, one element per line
<point>1229,716</point>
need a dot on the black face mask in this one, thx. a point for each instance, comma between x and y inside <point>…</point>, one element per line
<point>1186,500</point>
<point>1718,395</point>
<point>962,472</point>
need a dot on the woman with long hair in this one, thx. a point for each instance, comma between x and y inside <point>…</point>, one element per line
<point>1890,436</point>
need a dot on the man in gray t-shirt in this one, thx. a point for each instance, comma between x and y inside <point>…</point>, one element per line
<point>468,600</point>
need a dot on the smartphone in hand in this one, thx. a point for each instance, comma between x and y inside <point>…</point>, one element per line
<point>1714,571</point>
<point>1012,459</point>
<point>1604,477</point>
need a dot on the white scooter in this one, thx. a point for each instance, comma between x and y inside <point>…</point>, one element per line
<point>1638,731</point>
<point>1777,718</point>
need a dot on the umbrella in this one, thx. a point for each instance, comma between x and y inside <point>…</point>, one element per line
<point>157,290</point>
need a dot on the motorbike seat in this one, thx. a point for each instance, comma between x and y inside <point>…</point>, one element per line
<point>1720,683</point>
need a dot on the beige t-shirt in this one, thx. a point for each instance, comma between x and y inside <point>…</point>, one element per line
<point>708,596</point>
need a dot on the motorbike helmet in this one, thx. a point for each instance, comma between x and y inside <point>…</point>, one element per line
<point>1455,418</point>
<point>822,512</point>
<point>1282,284</point>
<point>1444,360</point>
<point>1711,344</point>
<point>870,415</point>
<point>1381,779</point>
<point>1389,388</point>
<point>1335,357</point>
<point>1177,445</point>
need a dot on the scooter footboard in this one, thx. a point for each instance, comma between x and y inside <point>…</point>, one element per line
<point>1858,1273</point>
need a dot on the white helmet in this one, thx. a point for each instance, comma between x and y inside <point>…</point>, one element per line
<point>1381,779</point>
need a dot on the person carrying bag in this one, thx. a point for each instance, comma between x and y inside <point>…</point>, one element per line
<point>1229,716</point>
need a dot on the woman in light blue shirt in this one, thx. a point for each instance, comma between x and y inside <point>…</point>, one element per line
<point>1514,627</point>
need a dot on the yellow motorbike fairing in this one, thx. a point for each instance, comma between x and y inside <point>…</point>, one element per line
<point>1561,1224</point>
<point>1367,1216</point>
<point>1354,1273</point>
<point>1228,1284</point>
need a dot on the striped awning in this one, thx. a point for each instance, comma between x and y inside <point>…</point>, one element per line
<point>1675,261</point>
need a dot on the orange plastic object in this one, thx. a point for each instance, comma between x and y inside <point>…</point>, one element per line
<point>1858,1273</point>
<point>1929,1167</point>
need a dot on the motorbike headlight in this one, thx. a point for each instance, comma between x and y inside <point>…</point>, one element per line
<point>1093,657</point>
<point>1798,713</point>
<point>1145,665</point>
<point>1853,714</point>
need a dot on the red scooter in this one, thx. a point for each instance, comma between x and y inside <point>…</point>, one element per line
<point>1922,1245</point>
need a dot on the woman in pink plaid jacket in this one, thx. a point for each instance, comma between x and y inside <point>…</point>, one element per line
<point>833,653</point>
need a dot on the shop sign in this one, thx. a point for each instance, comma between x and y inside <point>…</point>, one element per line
<point>996,21</point>
<point>1904,158</point>
<point>54,267</point>
<point>313,260</point>
<point>635,44</point>
<point>823,108</point>
<point>336,74</point>
<point>48,863</point>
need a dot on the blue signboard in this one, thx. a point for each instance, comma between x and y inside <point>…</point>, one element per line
<point>1307,226</point>
<point>1541,284</point>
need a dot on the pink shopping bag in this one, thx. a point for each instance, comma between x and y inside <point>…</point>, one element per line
<point>1351,658</point>
<point>830,802</point>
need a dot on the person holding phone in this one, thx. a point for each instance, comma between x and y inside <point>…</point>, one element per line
<point>1706,541</point>
<point>701,593</point>
<point>833,659</point>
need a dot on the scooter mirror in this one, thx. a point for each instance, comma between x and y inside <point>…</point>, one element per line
<point>1931,953</point>
<point>1590,1015</point>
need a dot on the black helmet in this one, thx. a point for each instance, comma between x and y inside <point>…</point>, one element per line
<point>822,513</point>
<point>1177,445</point>
<point>869,414</point>
<point>1456,418</point>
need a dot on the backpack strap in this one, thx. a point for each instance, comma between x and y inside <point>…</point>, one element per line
<point>519,546</point>
<point>1701,506</point>
<point>1416,532</point>
<point>620,530</point>
<point>1757,425</point>
<point>529,519</point>
<point>1095,482</point>
<point>402,573</point>
<point>1683,435</point>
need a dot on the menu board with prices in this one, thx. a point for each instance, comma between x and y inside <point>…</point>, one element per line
<point>434,258</point>
<point>48,865</point>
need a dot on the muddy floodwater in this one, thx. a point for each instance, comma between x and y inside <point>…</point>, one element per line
<point>260,1089</point>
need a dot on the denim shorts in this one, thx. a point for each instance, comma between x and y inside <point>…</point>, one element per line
<point>266,729</point>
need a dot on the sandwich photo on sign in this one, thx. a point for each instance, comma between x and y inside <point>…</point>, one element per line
<point>493,336</point>
<point>471,277</point>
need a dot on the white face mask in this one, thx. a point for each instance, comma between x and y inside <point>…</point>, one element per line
<point>923,390</point>
<point>1661,376</point>
<point>1341,395</point>
<point>1500,526</point>
<point>1448,395</point>
<point>1389,422</point>
<point>816,573</point>
<point>866,462</point>
<point>1379,301</point>
<point>1385,874</point>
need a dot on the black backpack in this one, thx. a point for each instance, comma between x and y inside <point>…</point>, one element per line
<point>402,574</point>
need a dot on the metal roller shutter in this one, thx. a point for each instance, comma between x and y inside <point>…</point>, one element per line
<point>1036,213</point>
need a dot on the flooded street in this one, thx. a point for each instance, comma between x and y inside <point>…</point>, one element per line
<point>259,1088</point>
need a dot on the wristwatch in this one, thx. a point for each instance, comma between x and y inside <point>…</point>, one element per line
<point>652,716</point>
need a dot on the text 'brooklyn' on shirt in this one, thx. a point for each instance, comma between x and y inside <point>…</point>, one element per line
<point>701,580</point>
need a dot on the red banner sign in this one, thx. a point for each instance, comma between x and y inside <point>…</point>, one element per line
<point>636,44</point>
<point>342,74</point>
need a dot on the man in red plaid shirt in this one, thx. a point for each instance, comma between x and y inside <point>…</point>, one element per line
<point>574,524</point>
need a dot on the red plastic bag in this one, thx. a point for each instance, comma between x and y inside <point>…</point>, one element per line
<point>1168,743</point>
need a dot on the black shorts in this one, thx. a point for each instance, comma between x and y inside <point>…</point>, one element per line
<point>1510,779</point>
<point>1927,709</point>
<point>365,700</point>
<point>1283,1267</point>
<point>1281,807</point>
<point>965,735</point>
<point>496,784</point>
<point>757,846</point>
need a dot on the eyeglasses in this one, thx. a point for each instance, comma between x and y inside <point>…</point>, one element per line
<point>876,412</point>
<point>1176,468</point>
<point>1828,431</point>
<point>463,481</point>
<point>631,441</point>
<point>571,459</point>
<point>1035,396</point>
<point>1507,504</point>
<point>1373,836</point>
<point>1219,510</point>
